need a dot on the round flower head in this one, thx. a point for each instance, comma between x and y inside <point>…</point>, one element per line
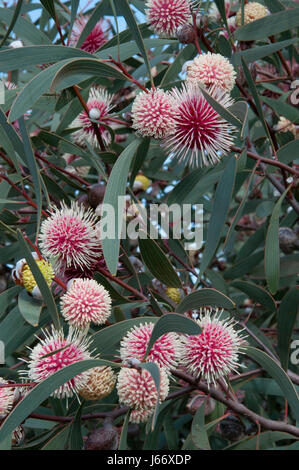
<point>165,16</point>
<point>6,398</point>
<point>96,38</point>
<point>141,416</point>
<point>252,11</point>
<point>137,389</point>
<point>201,134</point>
<point>153,114</point>
<point>69,237</point>
<point>213,353</point>
<point>85,302</point>
<point>165,351</point>
<point>55,352</point>
<point>100,384</point>
<point>141,182</point>
<point>174,294</point>
<point>23,276</point>
<point>99,105</point>
<point>212,70</point>
<point>27,276</point>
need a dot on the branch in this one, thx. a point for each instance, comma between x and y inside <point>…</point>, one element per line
<point>238,407</point>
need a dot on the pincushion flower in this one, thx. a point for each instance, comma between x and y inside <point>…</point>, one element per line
<point>252,11</point>
<point>96,38</point>
<point>153,114</point>
<point>212,70</point>
<point>141,416</point>
<point>6,398</point>
<point>85,302</point>
<point>141,182</point>
<point>201,135</point>
<point>174,294</point>
<point>137,389</point>
<point>69,237</point>
<point>100,384</point>
<point>99,104</point>
<point>165,351</point>
<point>213,353</point>
<point>53,353</point>
<point>165,16</point>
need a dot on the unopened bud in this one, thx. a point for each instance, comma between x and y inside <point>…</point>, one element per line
<point>186,34</point>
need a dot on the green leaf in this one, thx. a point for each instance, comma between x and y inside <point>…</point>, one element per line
<point>257,53</point>
<point>253,89</point>
<point>115,295</point>
<point>263,441</point>
<point>158,263</point>
<point>124,7</point>
<point>286,319</point>
<point>34,89</point>
<point>289,152</point>
<point>187,53</point>
<point>278,374</point>
<point>203,298</point>
<point>17,11</point>
<point>34,55</point>
<point>272,253</point>
<point>116,187</point>
<point>269,26</point>
<point>199,434</point>
<point>59,440</point>
<point>241,206</point>
<point>40,280</point>
<point>24,29</point>
<point>43,390</point>
<point>256,293</point>
<point>220,210</point>
<point>106,341</point>
<point>49,6</point>
<point>283,109</point>
<point>75,438</point>
<point>124,433</point>
<point>172,322</point>
<point>225,113</point>
<point>77,70</point>
<point>33,168</point>
<point>29,307</point>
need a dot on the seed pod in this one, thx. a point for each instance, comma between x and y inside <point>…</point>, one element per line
<point>96,195</point>
<point>231,428</point>
<point>105,438</point>
<point>288,239</point>
<point>83,199</point>
<point>186,34</point>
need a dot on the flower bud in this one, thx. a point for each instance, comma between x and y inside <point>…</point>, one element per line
<point>186,34</point>
<point>96,195</point>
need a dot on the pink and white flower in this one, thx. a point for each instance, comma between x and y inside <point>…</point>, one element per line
<point>201,135</point>
<point>165,16</point>
<point>215,352</point>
